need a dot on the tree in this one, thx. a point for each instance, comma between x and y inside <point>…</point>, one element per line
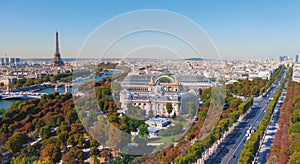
<point>43,161</point>
<point>71,140</point>
<point>295,128</point>
<point>235,103</point>
<point>94,143</point>
<point>95,160</point>
<point>2,110</point>
<point>174,116</point>
<point>206,93</point>
<point>63,137</point>
<point>106,154</point>
<point>21,159</point>
<point>117,139</point>
<point>51,140</point>
<point>94,151</point>
<point>295,158</point>
<point>15,142</point>
<point>143,130</point>
<point>113,117</point>
<point>74,155</point>
<point>123,158</point>
<point>169,108</point>
<point>71,116</point>
<point>52,152</point>
<point>30,152</point>
<point>79,139</point>
<point>190,106</point>
<point>100,130</point>
<point>45,132</point>
<point>295,117</point>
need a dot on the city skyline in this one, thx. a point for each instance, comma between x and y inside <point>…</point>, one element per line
<point>239,30</point>
<point>150,81</point>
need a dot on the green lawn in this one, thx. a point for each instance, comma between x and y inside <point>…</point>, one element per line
<point>162,139</point>
<point>166,139</point>
<point>185,124</point>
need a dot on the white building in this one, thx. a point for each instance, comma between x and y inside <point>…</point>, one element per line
<point>264,74</point>
<point>153,93</point>
<point>296,73</point>
<point>160,123</point>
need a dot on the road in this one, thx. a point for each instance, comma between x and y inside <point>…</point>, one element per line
<point>229,150</point>
<point>270,132</point>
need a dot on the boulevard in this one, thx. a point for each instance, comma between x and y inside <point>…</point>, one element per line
<point>229,150</point>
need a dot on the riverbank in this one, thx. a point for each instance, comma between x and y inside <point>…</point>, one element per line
<point>61,89</point>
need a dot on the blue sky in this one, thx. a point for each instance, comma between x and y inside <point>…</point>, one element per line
<point>239,29</point>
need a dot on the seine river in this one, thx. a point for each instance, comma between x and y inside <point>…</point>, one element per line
<point>7,103</point>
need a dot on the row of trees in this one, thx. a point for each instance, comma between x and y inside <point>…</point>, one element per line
<point>55,120</point>
<point>287,151</point>
<point>273,78</point>
<point>234,108</point>
<point>252,144</point>
<point>255,87</point>
<point>294,129</point>
<point>103,67</point>
<point>280,147</point>
<point>26,82</point>
<point>191,147</point>
<point>248,88</point>
<point>229,116</point>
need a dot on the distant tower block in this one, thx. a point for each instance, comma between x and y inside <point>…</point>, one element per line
<point>57,61</point>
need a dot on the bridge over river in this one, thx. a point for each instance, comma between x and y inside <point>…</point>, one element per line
<point>20,95</point>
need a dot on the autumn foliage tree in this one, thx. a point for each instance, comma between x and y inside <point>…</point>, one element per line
<point>52,152</point>
<point>15,142</point>
<point>74,155</point>
<point>286,135</point>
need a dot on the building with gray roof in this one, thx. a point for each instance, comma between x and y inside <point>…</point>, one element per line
<point>152,92</point>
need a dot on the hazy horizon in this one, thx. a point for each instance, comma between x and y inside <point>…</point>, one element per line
<point>239,30</point>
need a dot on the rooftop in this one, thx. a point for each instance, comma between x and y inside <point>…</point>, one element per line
<point>158,120</point>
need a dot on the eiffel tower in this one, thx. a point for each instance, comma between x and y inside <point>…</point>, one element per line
<point>57,61</point>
